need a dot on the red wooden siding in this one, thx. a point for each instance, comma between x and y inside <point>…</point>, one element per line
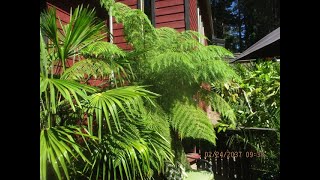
<point>169,10</point>
<point>128,2</point>
<point>180,29</point>
<point>174,24</point>
<point>170,17</point>
<point>170,13</point>
<point>118,35</point>
<point>168,3</point>
<point>193,15</point>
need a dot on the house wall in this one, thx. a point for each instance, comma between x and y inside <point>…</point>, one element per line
<point>193,15</point>
<point>170,13</point>
<point>118,35</point>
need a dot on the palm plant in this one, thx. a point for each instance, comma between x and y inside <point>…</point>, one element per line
<point>106,129</point>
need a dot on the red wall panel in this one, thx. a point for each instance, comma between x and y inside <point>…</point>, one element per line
<point>118,34</point>
<point>170,17</point>
<point>193,15</point>
<point>170,13</point>
<point>169,10</point>
<point>168,3</point>
<point>173,24</point>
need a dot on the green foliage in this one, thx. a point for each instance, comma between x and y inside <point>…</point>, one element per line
<point>190,121</point>
<point>86,69</point>
<point>128,134</point>
<point>261,84</point>
<point>137,28</point>
<point>103,60</point>
<point>182,53</point>
<point>69,90</point>
<point>129,154</point>
<point>174,64</point>
<point>177,65</point>
<point>103,49</point>
<point>114,116</point>
<point>257,100</point>
<point>221,105</point>
<point>82,30</point>
<point>59,148</point>
<point>107,106</point>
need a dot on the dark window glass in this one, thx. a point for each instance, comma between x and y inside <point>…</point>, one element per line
<point>147,9</point>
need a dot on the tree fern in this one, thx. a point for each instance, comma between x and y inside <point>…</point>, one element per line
<point>190,121</point>
<point>102,49</point>
<point>87,68</point>
<point>113,58</point>
<point>219,104</point>
<point>137,27</point>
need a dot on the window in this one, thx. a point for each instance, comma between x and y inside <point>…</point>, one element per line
<point>146,7</point>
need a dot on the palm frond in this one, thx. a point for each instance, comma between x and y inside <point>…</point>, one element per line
<point>190,121</point>
<point>52,88</point>
<point>107,105</point>
<point>155,129</point>
<point>82,30</point>
<point>132,153</point>
<point>58,148</point>
<point>48,25</point>
<point>158,122</point>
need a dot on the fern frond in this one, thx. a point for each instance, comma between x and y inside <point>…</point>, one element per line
<point>107,3</point>
<point>137,28</point>
<point>176,59</point>
<point>212,70</point>
<point>103,49</point>
<point>191,121</point>
<point>223,107</point>
<point>158,122</point>
<point>188,34</point>
<point>219,52</point>
<point>87,68</point>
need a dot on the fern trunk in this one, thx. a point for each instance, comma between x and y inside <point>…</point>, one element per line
<point>179,154</point>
